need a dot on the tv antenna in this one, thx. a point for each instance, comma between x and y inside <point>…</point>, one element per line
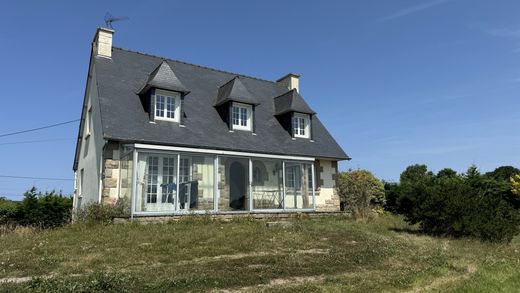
<point>109,19</point>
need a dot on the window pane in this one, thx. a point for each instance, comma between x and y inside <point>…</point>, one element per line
<point>159,105</point>
<point>233,184</point>
<point>170,107</point>
<point>156,182</point>
<point>267,184</point>
<point>298,178</point>
<point>300,125</point>
<point>196,182</point>
<point>243,116</point>
<point>236,116</point>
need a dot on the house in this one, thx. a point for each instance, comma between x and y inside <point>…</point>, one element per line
<point>171,137</point>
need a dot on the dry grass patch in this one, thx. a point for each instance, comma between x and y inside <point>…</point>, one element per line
<point>193,255</point>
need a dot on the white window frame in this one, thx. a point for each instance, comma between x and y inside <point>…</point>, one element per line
<point>176,97</point>
<point>183,178</point>
<point>159,203</point>
<point>249,117</point>
<point>298,117</point>
<point>88,122</point>
<point>81,180</point>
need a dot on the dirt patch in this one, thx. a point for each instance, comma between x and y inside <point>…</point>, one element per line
<point>226,257</point>
<point>314,251</point>
<point>437,283</point>
<point>293,281</point>
<point>257,266</point>
<point>17,279</point>
<point>26,279</point>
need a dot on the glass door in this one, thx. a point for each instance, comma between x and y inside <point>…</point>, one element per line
<point>157,182</point>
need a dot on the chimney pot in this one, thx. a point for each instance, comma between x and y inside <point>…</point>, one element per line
<point>102,44</point>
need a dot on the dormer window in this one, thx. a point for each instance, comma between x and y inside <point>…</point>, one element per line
<point>236,105</point>
<point>162,94</point>
<point>167,105</point>
<point>241,116</point>
<point>301,125</point>
<point>294,114</point>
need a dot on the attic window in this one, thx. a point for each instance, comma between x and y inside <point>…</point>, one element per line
<point>167,105</point>
<point>241,116</point>
<point>301,124</point>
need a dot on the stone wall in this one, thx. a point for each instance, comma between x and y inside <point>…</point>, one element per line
<point>327,197</point>
<point>111,165</point>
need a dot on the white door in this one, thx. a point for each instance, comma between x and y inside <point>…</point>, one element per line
<point>161,183</point>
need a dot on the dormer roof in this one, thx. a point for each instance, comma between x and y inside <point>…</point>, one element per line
<point>291,101</point>
<point>164,78</point>
<point>234,90</point>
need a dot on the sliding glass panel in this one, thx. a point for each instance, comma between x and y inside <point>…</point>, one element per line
<point>298,186</point>
<point>267,185</point>
<point>196,182</point>
<point>233,185</point>
<point>156,182</point>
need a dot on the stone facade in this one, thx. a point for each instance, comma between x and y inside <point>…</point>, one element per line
<point>111,165</point>
<point>327,197</point>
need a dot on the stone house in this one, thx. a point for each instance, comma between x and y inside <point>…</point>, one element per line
<point>172,137</point>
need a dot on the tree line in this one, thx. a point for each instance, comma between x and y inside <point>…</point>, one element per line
<point>470,204</point>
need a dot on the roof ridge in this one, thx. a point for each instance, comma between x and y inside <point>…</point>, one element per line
<point>192,64</point>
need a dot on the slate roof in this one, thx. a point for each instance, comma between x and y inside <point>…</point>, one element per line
<point>121,78</point>
<point>164,78</point>
<point>291,101</point>
<point>234,90</point>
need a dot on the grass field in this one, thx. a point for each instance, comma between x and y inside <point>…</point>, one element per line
<point>331,254</point>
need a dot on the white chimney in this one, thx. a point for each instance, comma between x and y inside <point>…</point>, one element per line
<point>102,44</point>
<point>290,81</point>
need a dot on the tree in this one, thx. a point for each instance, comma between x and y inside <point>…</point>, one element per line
<point>360,190</point>
<point>515,184</point>
<point>470,204</point>
<point>503,173</point>
<point>447,172</point>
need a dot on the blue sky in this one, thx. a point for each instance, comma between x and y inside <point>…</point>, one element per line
<point>396,82</point>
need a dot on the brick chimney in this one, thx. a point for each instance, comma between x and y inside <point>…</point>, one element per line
<point>102,44</point>
<point>290,81</point>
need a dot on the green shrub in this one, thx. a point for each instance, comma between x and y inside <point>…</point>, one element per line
<point>470,204</point>
<point>46,210</point>
<point>99,213</point>
<point>391,197</point>
<point>360,190</point>
<point>7,211</point>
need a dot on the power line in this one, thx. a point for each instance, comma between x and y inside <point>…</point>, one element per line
<point>39,128</point>
<point>36,141</point>
<point>36,178</point>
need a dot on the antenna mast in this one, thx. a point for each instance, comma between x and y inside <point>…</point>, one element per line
<point>109,19</point>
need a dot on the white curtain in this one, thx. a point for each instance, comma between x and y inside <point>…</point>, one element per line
<point>141,183</point>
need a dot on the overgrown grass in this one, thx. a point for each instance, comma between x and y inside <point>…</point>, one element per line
<point>200,254</point>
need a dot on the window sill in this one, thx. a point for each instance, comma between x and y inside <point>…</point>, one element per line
<point>241,129</point>
<point>167,119</point>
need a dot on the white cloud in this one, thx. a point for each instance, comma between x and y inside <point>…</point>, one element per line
<point>412,9</point>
